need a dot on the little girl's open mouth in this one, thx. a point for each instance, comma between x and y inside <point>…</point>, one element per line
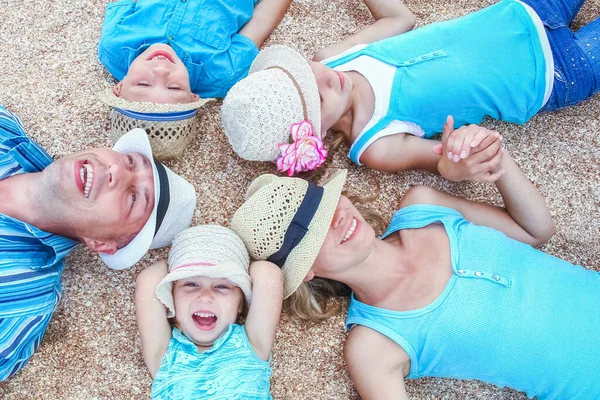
<point>204,320</point>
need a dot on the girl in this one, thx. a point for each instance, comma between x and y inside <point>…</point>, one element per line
<point>388,94</point>
<point>207,290</point>
<point>453,289</point>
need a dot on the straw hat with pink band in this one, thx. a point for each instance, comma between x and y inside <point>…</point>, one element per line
<point>212,251</point>
<point>274,114</point>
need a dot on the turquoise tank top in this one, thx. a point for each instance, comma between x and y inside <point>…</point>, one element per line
<point>229,370</point>
<point>470,67</point>
<point>510,315</point>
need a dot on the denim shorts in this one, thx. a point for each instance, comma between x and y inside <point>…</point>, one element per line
<point>576,54</point>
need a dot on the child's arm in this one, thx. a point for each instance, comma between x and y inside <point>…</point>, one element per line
<point>267,15</point>
<point>151,316</point>
<point>524,217</point>
<point>265,308</point>
<point>392,18</point>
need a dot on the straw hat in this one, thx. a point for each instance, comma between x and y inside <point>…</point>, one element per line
<point>258,111</point>
<point>212,251</point>
<point>264,220</point>
<point>170,127</point>
<point>174,204</point>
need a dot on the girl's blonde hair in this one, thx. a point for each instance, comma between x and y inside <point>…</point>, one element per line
<point>309,301</point>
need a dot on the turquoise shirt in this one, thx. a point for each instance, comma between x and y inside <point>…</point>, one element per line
<point>203,33</point>
<point>489,62</point>
<point>510,315</point>
<point>227,371</point>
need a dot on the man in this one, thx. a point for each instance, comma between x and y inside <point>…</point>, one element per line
<point>118,202</point>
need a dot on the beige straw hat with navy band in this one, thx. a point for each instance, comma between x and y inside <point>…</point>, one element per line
<point>212,251</point>
<point>259,110</point>
<point>285,220</point>
<point>170,127</point>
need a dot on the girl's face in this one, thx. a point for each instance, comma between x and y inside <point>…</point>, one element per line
<point>348,242</point>
<point>335,89</point>
<point>205,307</point>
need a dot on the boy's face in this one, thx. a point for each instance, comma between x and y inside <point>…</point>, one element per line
<point>158,76</point>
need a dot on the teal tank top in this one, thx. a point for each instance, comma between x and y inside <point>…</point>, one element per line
<point>510,315</point>
<point>489,62</point>
<point>230,370</point>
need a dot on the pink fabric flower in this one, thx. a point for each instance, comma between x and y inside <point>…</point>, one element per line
<point>304,153</point>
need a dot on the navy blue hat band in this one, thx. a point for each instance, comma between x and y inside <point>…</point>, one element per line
<point>160,117</point>
<point>299,225</point>
<point>164,197</point>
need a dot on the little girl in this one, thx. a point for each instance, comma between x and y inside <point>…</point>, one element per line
<point>387,98</point>
<point>207,355</point>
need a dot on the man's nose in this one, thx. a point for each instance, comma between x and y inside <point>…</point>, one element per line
<point>119,176</point>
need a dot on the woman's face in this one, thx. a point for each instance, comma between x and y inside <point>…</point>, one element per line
<point>348,242</point>
<point>335,89</point>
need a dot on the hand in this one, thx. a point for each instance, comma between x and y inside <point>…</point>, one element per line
<point>483,161</point>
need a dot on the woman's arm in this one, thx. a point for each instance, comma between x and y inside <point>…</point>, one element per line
<point>376,364</point>
<point>151,316</point>
<point>267,15</point>
<point>392,18</point>
<point>524,217</point>
<point>265,307</point>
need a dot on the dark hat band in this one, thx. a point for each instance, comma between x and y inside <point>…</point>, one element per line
<point>299,225</point>
<point>164,196</point>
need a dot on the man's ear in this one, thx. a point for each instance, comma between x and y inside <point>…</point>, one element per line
<point>117,89</point>
<point>108,247</point>
<point>309,276</point>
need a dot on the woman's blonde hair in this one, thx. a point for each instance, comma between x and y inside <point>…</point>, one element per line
<point>309,301</point>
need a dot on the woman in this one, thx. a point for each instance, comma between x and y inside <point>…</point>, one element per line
<point>453,289</point>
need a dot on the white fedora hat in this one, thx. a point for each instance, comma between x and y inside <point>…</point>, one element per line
<point>174,204</point>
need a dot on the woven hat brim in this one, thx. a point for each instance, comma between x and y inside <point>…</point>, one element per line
<point>108,97</point>
<point>301,259</point>
<point>164,290</point>
<point>295,64</point>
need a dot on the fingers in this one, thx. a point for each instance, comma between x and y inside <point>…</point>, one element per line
<point>486,153</point>
<point>489,138</point>
<point>460,143</point>
<point>447,129</point>
<point>437,149</point>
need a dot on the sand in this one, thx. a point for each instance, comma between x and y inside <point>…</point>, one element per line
<point>50,79</point>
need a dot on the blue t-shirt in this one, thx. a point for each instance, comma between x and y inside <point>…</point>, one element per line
<point>227,371</point>
<point>510,315</point>
<point>204,34</point>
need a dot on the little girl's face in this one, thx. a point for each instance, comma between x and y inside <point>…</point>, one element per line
<point>205,307</point>
<point>335,89</point>
<point>157,75</point>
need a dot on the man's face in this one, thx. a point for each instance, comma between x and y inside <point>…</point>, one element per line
<point>157,75</point>
<point>102,197</point>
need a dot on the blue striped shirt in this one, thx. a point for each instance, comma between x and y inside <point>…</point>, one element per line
<point>30,259</point>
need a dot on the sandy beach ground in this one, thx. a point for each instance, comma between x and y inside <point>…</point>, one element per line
<point>50,78</point>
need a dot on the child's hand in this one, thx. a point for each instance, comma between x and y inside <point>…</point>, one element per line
<point>483,162</point>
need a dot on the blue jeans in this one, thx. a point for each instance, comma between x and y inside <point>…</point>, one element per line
<point>576,54</point>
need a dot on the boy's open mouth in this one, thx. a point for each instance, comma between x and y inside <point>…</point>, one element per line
<point>205,321</point>
<point>161,55</point>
